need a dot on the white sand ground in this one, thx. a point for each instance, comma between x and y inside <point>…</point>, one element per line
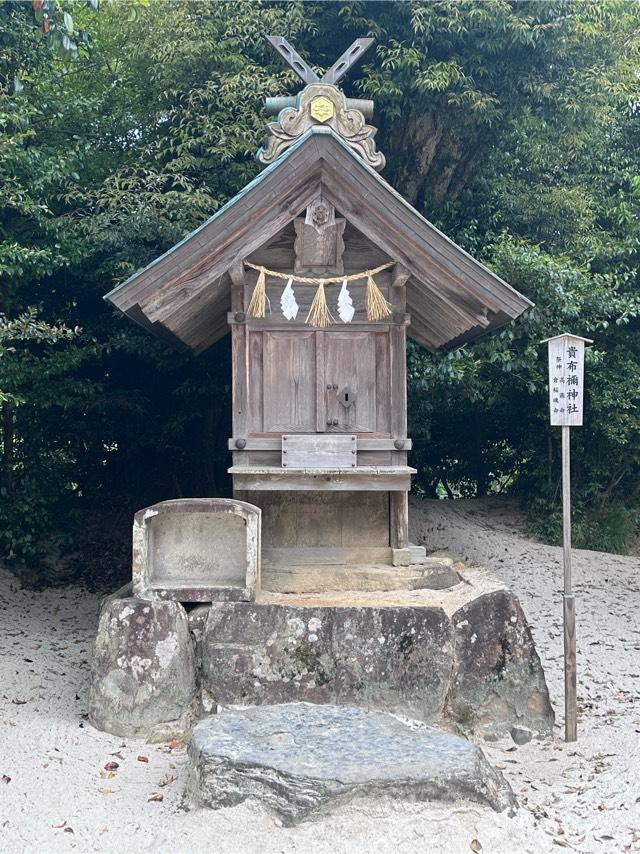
<point>584,797</point>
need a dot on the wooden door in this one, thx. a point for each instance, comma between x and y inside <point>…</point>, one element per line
<point>350,381</point>
<point>290,376</point>
<point>320,381</point>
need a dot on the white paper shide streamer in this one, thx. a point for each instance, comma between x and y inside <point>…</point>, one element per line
<point>345,304</point>
<point>288,302</point>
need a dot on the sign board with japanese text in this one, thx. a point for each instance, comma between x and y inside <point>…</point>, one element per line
<point>566,402</point>
<point>566,379</point>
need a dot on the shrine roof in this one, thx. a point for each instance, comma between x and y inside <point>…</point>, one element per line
<point>184,294</point>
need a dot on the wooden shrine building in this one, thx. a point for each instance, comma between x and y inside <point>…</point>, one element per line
<point>319,270</point>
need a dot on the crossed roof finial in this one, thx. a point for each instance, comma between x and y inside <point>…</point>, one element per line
<point>307,74</point>
<point>320,105</point>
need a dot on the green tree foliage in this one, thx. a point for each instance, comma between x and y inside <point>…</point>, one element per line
<point>513,126</point>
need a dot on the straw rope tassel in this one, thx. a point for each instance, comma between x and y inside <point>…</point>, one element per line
<point>319,314</point>
<point>259,296</point>
<point>377,305</point>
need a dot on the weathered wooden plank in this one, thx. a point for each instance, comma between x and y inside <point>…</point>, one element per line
<point>317,452</point>
<point>398,368</point>
<point>213,334</point>
<point>289,381</point>
<point>237,276</point>
<point>362,478</point>
<point>452,309</point>
<point>347,519</point>
<point>263,458</point>
<point>332,579</point>
<point>425,334</point>
<point>398,390</point>
<point>256,380</point>
<point>240,380</point>
<point>320,379</point>
<point>266,323</point>
<point>325,556</point>
<point>273,443</point>
<point>383,384</point>
<point>374,458</point>
<point>198,322</point>
<point>350,366</point>
<point>399,276</point>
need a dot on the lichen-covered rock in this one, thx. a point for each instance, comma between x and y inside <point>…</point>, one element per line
<point>143,675</point>
<point>300,759</point>
<point>463,655</point>
<point>498,681</point>
<point>393,658</point>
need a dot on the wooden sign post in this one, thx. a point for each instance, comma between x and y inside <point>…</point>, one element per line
<point>566,398</point>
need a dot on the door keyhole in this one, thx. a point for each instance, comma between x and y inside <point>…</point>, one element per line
<point>346,397</point>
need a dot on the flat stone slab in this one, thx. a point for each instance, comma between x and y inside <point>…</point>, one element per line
<point>302,759</point>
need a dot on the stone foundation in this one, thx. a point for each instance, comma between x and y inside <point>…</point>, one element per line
<point>462,657</point>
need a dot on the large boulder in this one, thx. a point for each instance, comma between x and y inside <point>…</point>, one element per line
<point>498,683</point>
<point>300,759</point>
<point>143,679</point>
<point>393,658</point>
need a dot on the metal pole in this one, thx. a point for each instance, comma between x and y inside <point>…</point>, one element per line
<point>568,599</point>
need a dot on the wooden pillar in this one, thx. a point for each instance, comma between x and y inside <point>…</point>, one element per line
<point>399,501</point>
<point>239,364</point>
<point>399,519</point>
<point>398,378</point>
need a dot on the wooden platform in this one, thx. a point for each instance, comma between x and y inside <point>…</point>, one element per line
<point>358,479</point>
<point>321,570</point>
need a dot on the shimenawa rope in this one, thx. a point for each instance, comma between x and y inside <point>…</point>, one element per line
<point>319,314</point>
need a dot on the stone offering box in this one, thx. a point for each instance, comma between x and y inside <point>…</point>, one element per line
<point>197,550</point>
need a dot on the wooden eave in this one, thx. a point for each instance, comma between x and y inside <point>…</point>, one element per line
<point>184,295</point>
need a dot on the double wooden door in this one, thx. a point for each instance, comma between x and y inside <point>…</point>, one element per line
<point>322,381</point>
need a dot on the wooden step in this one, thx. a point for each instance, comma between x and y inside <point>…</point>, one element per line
<point>325,556</point>
<point>324,578</point>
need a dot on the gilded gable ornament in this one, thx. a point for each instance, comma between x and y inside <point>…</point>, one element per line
<point>321,109</point>
<point>321,103</point>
